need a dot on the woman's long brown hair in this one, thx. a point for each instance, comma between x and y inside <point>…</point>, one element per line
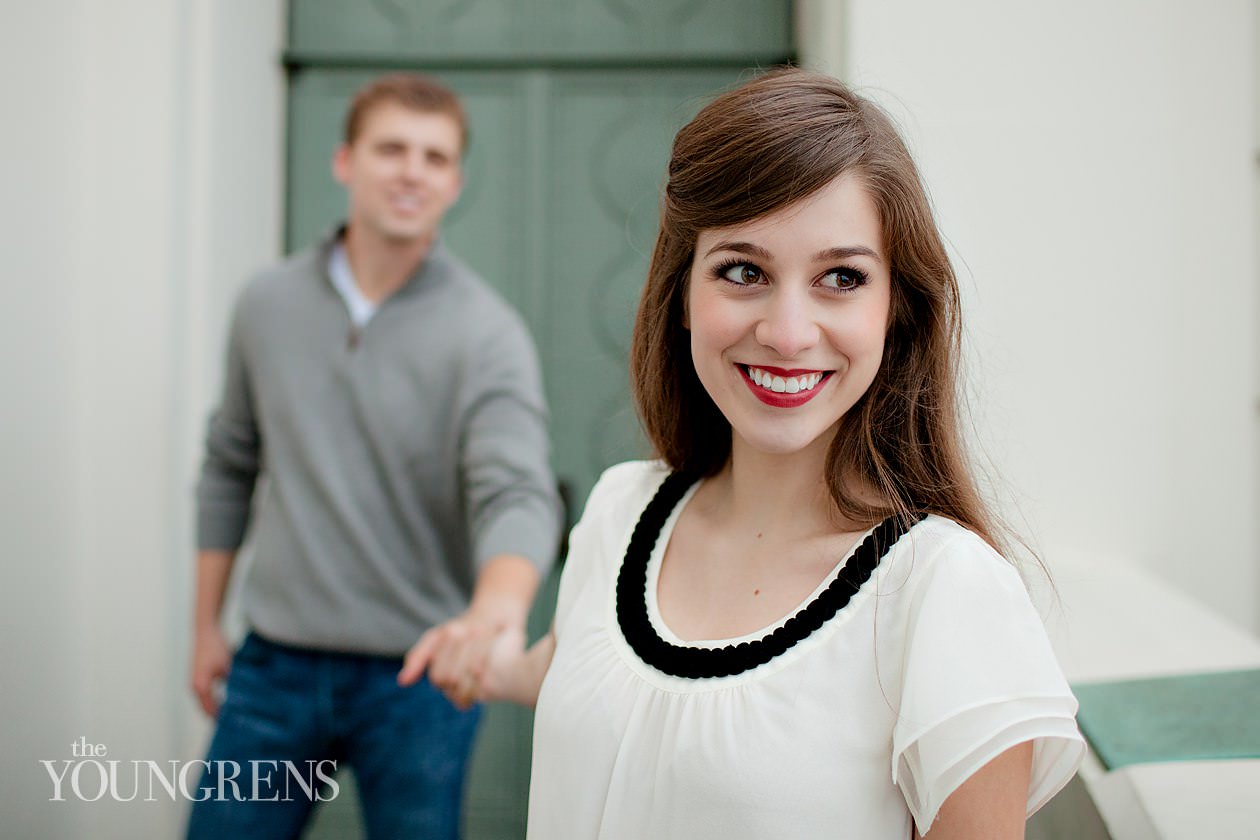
<point>756,149</point>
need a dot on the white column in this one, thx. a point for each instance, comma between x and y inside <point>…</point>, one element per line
<point>142,179</point>
<point>39,596</point>
<point>821,28</point>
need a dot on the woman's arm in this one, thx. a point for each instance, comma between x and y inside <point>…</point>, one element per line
<point>513,674</point>
<point>991,804</point>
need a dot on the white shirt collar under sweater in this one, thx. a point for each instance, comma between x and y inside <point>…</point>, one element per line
<point>361,309</point>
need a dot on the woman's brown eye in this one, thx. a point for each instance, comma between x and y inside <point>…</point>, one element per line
<point>743,274</point>
<point>844,279</point>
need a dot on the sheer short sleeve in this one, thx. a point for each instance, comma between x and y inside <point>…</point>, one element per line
<point>611,509</point>
<point>978,678</point>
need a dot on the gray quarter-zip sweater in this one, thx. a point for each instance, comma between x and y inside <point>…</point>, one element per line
<point>398,458</point>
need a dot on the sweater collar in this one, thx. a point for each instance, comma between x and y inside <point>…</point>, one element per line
<point>433,269</point>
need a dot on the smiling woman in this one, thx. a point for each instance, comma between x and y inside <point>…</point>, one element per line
<point>795,623</point>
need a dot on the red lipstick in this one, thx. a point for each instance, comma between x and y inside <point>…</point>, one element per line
<point>784,400</point>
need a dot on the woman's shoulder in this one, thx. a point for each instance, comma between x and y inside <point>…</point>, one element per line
<point>597,541</point>
<point>625,488</point>
<point>938,546</point>
<point>940,535</point>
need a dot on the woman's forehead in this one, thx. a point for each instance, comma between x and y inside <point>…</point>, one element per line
<point>840,215</point>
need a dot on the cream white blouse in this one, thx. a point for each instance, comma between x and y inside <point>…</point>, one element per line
<point>937,663</point>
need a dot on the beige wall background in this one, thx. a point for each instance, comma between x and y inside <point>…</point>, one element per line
<point>1093,166</point>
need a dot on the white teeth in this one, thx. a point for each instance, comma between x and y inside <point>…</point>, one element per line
<point>784,384</point>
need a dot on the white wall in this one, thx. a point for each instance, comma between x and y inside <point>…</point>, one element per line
<point>38,597</point>
<point>141,172</point>
<point>1092,168</point>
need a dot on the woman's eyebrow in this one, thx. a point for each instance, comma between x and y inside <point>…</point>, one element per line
<point>838,253</point>
<point>740,248</point>
<point>846,252</point>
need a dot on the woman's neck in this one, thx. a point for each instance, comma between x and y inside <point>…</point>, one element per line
<point>771,492</point>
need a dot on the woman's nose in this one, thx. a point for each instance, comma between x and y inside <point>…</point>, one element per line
<point>788,326</point>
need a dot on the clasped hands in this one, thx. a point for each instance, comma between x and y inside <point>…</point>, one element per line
<point>466,658</point>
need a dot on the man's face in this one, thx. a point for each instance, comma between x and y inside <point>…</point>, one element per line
<point>402,172</point>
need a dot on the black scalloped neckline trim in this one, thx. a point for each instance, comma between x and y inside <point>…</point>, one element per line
<point>699,663</point>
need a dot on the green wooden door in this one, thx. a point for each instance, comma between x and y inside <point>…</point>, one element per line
<point>573,105</point>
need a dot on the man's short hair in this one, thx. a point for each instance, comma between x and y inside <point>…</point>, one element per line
<point>410,90</point>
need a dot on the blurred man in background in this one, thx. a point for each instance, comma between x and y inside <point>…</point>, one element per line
<point>393,403</point>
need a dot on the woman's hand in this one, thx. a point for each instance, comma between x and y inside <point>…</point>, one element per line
<point>471,665</point>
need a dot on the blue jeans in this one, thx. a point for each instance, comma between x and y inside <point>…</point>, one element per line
<point>290,712</point>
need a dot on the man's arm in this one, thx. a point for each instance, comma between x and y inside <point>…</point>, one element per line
<point>512,506</point>
<point>504,592</point>
<point>511,502</point>
<point>211,656</point>
<point>224,491</point>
